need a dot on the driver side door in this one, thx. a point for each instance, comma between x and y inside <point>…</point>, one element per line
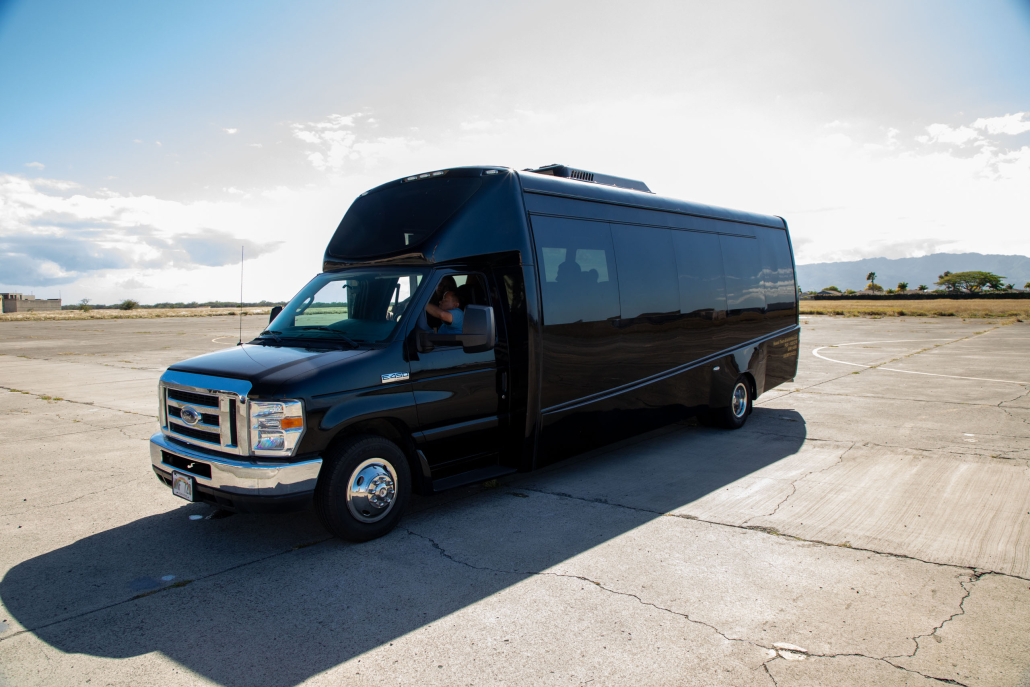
<point>458,394</point>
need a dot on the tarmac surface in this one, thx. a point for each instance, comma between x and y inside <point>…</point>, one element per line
<point>870,525</point>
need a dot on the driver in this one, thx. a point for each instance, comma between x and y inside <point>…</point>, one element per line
<point>449,312</point>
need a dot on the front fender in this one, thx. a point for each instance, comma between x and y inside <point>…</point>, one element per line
<point>333,413</point>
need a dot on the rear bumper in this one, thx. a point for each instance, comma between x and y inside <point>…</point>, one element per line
<point>246,486</point>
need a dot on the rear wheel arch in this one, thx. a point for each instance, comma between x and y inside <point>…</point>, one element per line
<point>753,383</point>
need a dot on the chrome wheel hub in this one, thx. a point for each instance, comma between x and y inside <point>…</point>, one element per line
<point>739,400</point>
<point>371,490</point>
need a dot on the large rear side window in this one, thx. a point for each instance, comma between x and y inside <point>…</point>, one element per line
<point>392,219</point>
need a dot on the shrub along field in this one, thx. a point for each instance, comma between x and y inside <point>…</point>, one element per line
<point>930,308</point>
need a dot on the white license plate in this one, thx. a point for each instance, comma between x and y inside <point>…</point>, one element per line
<point>182,485</point>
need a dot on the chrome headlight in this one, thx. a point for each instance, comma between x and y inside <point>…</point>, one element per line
<point>275,427</point>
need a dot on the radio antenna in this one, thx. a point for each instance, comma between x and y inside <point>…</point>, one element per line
<point>240,343</point>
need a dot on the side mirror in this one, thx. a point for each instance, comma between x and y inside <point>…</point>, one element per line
<point>478,333</point>
<point>275,312</point>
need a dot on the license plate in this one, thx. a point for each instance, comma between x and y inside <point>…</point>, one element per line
<point>182,485</point>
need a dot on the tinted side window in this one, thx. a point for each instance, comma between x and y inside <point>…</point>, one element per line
<point>577,267</point>
<point>647,271</point>
<point>702,286</point>
<point>778,275</point>
<point>745,291</point>
<point>580,293</point>
<point>743,267</point>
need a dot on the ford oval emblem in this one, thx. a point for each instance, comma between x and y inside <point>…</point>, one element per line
<point>189,415</point>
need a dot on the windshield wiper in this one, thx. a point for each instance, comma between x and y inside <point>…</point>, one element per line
<point>340,335</point>
<point>273,334</point>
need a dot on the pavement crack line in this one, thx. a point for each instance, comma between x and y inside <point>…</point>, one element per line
<point>793,484</point>
<point>878,397</point>
<point>119,485</point>
<point>765,664</point>
<point>83,403</point>
<point>973,578</point>
<point>532,573</point>
<point>765,530</point>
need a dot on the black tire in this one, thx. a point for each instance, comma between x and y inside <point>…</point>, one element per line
<point>736,413</point>
<point>360,461</point>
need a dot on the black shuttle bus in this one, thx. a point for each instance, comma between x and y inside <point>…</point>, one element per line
<point>479,321</point>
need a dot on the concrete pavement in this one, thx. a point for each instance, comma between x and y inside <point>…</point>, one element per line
<point>869,525</point>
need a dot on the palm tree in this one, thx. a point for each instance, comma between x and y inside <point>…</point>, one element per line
<point>902,286</point>
<point>922,287</point>
<point>1027,286</point>
<point>871,277</point>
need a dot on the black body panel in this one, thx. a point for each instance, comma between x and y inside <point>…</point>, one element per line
<point>617,311</point>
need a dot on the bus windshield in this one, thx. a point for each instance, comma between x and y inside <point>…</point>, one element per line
<point>355,306</point>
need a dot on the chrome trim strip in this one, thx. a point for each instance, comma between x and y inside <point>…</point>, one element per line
<point>205,384</point>
<point>196,406</point>
<point>193,440</point>
<point>251,478</point>
<point>200,425</point>
<point>225,436</point>
<point>600,396</point>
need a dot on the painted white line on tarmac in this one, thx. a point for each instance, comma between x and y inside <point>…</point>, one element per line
<point>815,352</point>
<point>216,339</point>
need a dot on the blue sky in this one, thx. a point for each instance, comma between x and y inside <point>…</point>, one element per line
<point>140,142</point>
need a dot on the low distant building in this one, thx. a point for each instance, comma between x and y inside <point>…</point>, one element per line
<point>17,302</point>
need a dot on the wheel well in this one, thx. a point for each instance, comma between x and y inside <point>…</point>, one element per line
<point>395,431</point>
<point>753,384</point>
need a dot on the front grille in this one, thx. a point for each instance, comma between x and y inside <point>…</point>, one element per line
<point>192,398</point>
<point>195,433</point>
<point>197,468</point>
<point>219,428</point>
<point>206,418</point>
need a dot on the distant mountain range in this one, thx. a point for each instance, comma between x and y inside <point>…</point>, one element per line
<point>924,270</point>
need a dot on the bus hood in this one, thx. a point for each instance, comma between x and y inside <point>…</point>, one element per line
<point>265,367</point>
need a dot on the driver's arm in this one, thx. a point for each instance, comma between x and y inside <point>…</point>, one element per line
<point>439,313</point>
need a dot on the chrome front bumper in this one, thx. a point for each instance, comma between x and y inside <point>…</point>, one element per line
<point>246,478</point>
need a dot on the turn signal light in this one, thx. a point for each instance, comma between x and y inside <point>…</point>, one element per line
<point>291,422</point>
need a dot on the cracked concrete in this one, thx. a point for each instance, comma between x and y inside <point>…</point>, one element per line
<point>861,529</point>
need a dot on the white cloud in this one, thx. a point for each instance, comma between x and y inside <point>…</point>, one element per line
<point>942,133</point>
<point>158,142</point>
<point>230,131</point>
<point>874,191</point>
<point>49,239</point>
<point>136,140</point>
<point>343,144</point>
<point>1011,124</point>
<point>37,165</point>
<point>254,145</point>
<point>132,284</point>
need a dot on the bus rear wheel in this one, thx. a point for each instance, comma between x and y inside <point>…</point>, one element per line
<point>734,415</point>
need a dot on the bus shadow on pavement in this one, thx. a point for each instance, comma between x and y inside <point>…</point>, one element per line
<point>258,605</point>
